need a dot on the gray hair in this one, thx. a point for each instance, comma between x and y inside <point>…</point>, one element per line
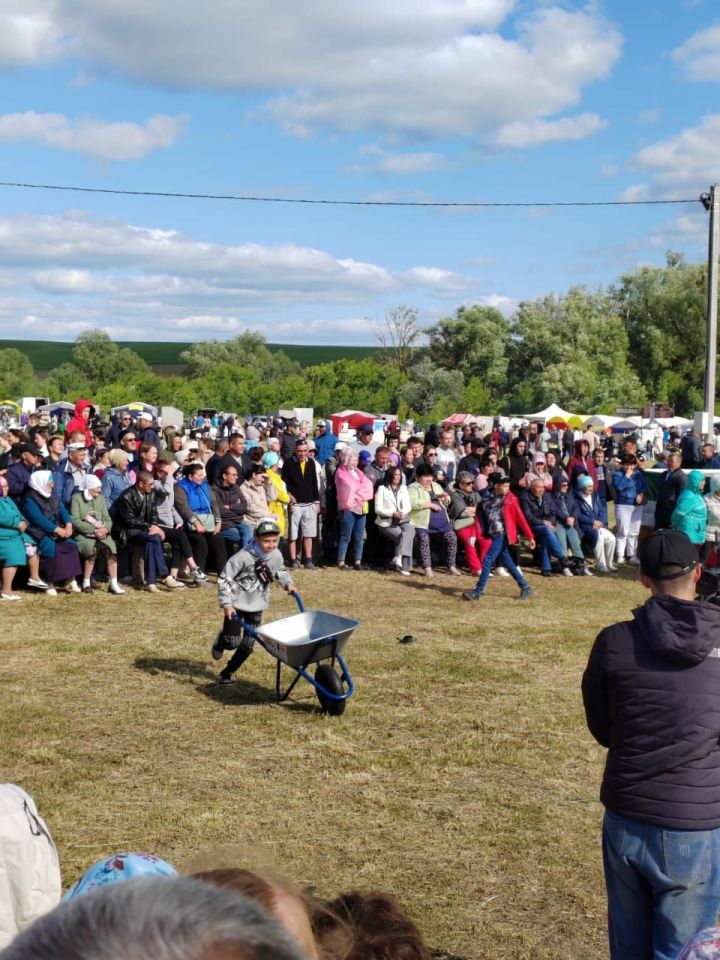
<point>345,455</point>
<point>166,918</point>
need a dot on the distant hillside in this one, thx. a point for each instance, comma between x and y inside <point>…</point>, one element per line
<point>164,358</point>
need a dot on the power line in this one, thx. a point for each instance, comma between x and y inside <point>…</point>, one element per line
<point>343,203</point>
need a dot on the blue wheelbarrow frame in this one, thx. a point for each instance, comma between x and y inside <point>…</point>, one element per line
<point>311,636</point>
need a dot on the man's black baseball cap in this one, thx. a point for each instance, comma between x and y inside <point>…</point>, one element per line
<point>665,549</point>
<point>477,443</point>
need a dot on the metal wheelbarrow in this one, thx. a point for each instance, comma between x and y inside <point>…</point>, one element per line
<point>308,637</point>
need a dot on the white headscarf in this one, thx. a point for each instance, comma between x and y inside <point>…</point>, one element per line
<point>90,486</point>
<point>40,482</point>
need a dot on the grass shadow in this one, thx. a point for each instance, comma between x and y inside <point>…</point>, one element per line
<point>179,666</point>
<point>243,692</point>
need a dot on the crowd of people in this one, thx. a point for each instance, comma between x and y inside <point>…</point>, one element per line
<point>130,906</point>
<point>129,502</point>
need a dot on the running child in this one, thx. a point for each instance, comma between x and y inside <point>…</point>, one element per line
<point>244,592</point>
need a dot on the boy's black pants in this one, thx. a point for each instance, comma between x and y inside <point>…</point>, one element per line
<point>247,643</point>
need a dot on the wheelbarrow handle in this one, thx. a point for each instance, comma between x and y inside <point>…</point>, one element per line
<point>300,604</point>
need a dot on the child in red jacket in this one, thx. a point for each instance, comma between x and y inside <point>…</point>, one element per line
<point>501,519</point>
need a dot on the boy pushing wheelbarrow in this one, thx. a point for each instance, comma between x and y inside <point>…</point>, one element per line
<point>244,592</point>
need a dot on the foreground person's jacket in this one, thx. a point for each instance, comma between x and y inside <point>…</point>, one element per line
<point>652,697</point>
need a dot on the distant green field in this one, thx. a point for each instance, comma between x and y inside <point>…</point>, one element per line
<point>44,355</point>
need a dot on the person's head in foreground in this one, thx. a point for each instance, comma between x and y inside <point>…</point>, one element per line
<point>669,565</point>
<point>276,894</point>
<point>178,918</point>
<point>367,926</point>
<point>120,866</point>
<point>267,535</point>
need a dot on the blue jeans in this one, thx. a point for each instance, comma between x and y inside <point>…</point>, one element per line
<point>499,553</point>
<point>549,544</point>
<point>154,556</point>
<point>663,886</point>
<point>352,527</point>
<point>242,534</point>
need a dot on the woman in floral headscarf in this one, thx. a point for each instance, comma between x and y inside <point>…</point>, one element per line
<point>92,524</point>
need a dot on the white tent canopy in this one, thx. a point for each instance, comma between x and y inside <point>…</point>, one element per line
<point>601,420</point>
<point>553,412</point>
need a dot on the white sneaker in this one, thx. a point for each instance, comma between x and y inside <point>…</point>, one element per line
<point>197,574</point>
<point>116,589</point>
<point>567,572</point>
<point>37,584</point>
<point>619,561</point>
<point>73,586</point>
<point>152,588</point>
<point>501,572</point>
<point>13,597</point>
<point>51,592</point>
<point>173,584</point>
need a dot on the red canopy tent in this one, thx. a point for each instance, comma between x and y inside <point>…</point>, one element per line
<point>457,419</point>
<point>353,418</point>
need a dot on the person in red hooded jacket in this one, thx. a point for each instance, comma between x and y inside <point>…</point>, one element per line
<point>84,410</point>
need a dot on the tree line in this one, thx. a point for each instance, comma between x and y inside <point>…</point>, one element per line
<point>640,340</point>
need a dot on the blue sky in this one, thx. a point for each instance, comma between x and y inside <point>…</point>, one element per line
<point>425,100</point>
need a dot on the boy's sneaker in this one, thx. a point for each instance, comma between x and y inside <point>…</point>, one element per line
<point>525,593</point>
<point>293,565</point>
<point>501,572</point>
<point>309,565</point>
<point>216,651</point>
<point>470,595</point>
<point>224,680</point>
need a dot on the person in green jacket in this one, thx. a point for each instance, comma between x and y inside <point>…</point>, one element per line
<point>17,548</point>
<point>690,513</point>
<point>92,524</point>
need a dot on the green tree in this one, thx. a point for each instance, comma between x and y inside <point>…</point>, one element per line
<point>475,342</point>
<point>663,310</point>
<point>101,361</point>
<point>247,350</point>
<point>17,378</point>
<point>432,391</point>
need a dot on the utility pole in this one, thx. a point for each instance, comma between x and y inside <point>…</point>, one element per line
<point>711,202</point>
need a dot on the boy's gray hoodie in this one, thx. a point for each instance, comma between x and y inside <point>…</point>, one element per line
<point>240,586</point>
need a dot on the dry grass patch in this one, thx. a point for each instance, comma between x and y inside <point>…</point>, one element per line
<point>461,776</point>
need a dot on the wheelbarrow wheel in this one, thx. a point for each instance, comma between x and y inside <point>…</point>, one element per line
<point>326,676</point>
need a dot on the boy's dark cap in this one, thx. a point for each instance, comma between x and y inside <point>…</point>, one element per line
<point>365,428</point>
<point>477,443</point>
<point>498,477</point>
<point>665,549</point>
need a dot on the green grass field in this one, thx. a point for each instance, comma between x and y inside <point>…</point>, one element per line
<point>44,355</point>
<point>461,777</point>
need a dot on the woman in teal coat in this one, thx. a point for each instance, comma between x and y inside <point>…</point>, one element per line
<point>690,513</point>
<point>17,549</point>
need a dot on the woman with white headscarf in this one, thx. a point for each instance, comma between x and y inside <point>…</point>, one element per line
<point>50,525</point>
<point>92,525</point>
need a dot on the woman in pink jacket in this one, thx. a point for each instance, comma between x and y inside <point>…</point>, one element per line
<point>354,490</point>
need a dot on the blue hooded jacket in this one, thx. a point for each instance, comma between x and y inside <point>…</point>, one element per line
<point>325,445</point>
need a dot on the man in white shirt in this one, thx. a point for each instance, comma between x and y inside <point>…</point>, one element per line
<point>447,456</point>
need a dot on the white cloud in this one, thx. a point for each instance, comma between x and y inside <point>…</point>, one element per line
<point>534,133</point>
<point>28,32</point>
<point>640,191</point>
<point>688,161</point>
<point>404,164</point>
<point>432,69</point>
<point>100,139</point>
<point>699,56</point>
<point>73,272</point>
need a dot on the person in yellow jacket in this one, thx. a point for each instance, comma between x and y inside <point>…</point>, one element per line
<point>278,507</point>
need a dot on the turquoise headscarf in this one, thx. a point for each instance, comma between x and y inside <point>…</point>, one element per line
<point>121,866</point>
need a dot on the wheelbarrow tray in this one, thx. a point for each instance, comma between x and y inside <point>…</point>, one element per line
<point>306,637</point>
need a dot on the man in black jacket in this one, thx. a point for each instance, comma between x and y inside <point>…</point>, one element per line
<point>672,484</point>
<point>137,521</point>
<point>301,481</point>
<point>652,697</point>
